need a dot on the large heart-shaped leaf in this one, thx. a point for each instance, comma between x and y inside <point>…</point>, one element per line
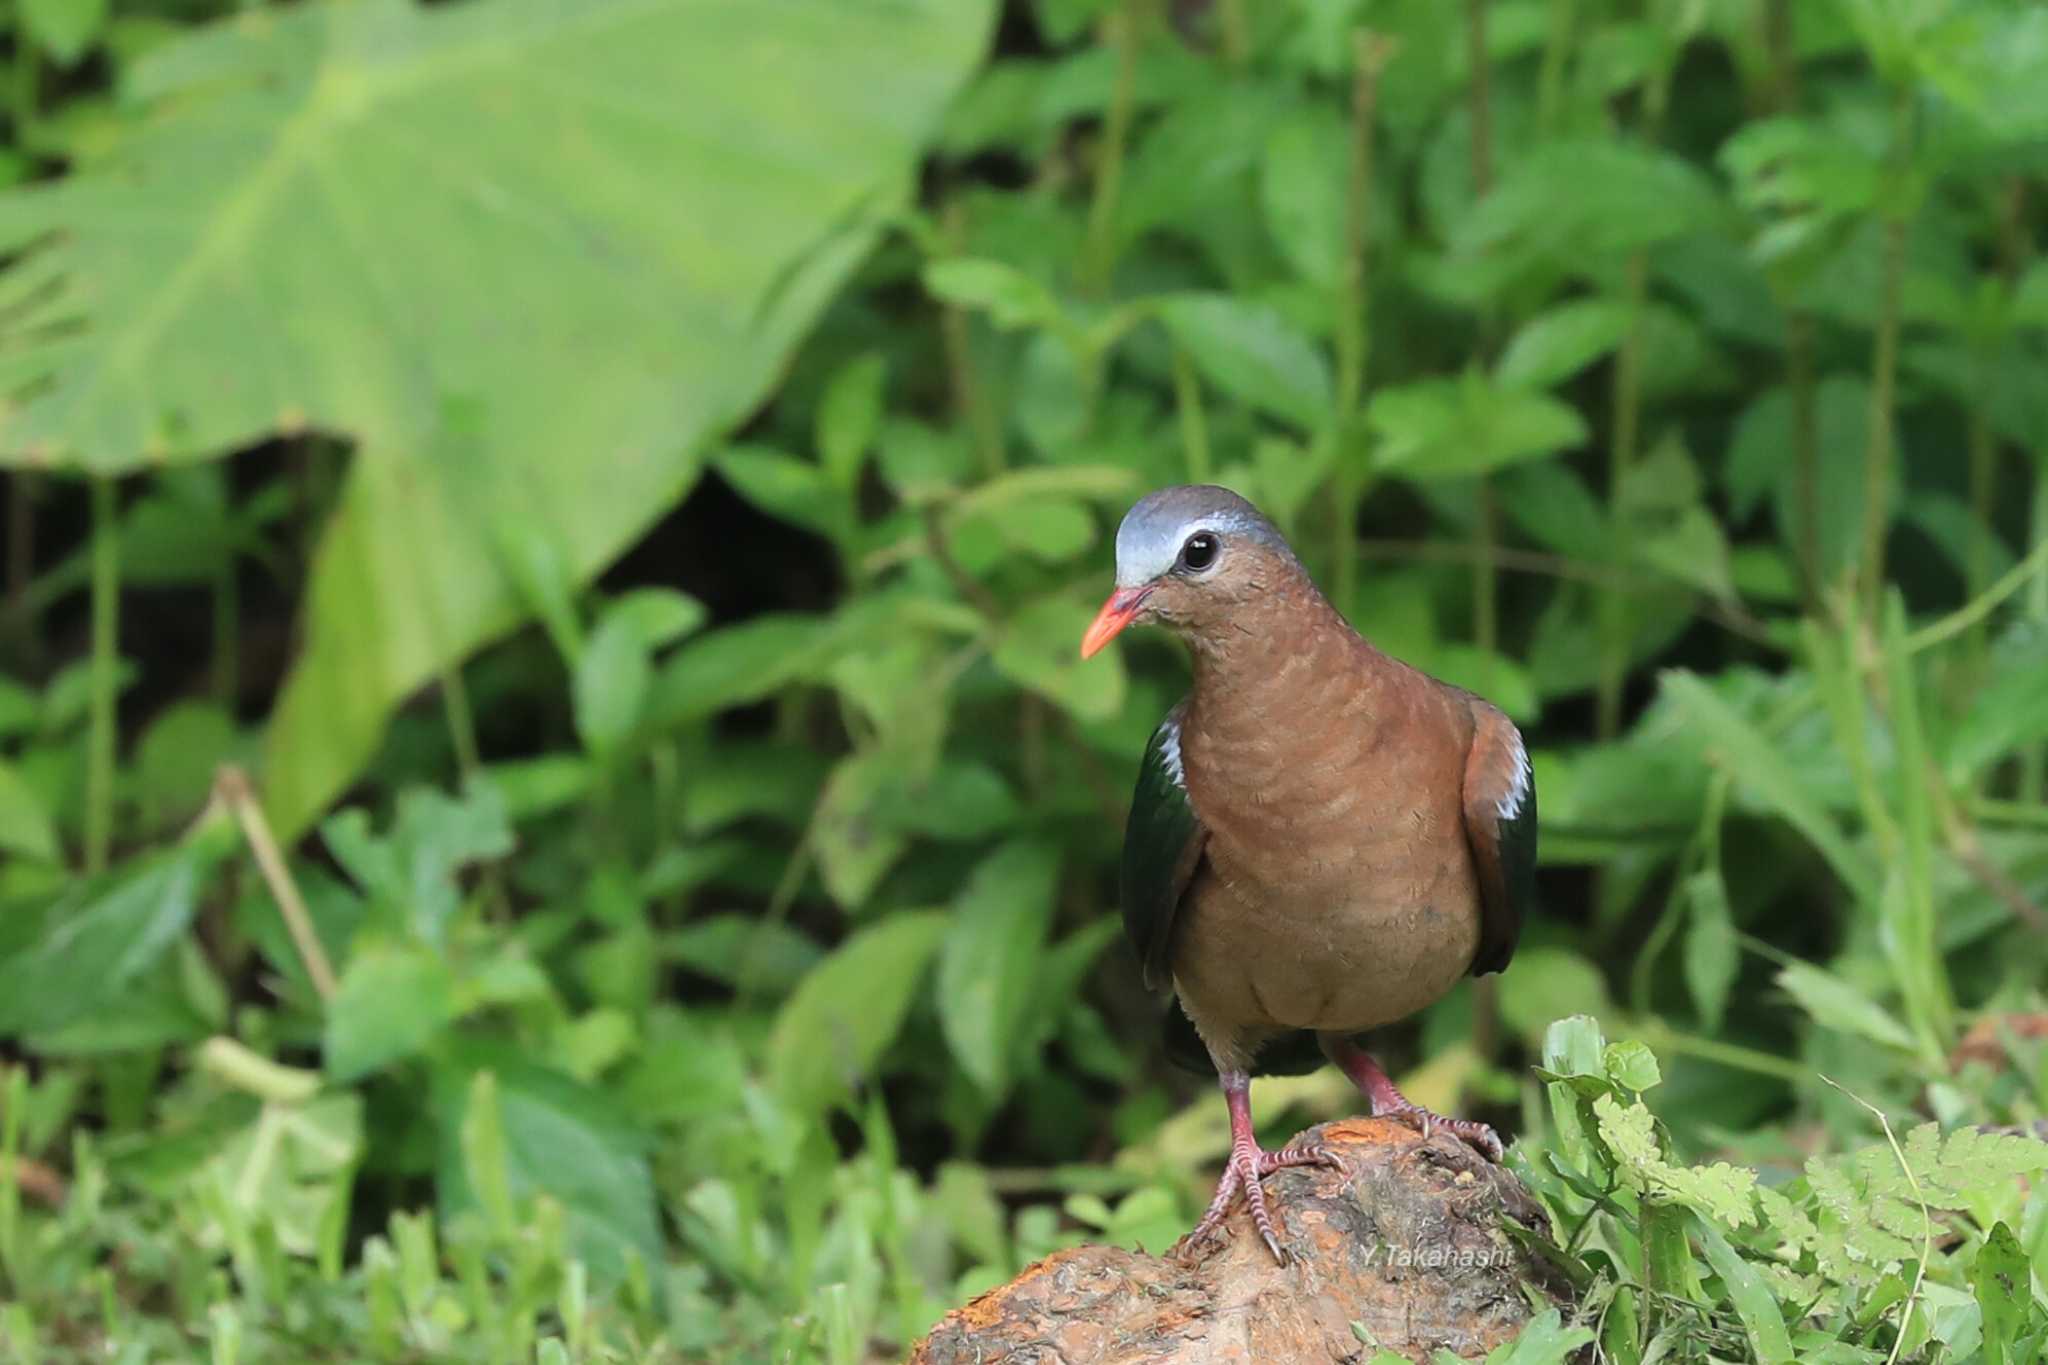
<point>528,255</point>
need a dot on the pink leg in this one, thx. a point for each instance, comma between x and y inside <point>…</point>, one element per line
<point>1388,1102</point>
<point>1247,1164</point>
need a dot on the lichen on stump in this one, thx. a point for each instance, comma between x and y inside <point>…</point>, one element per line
<point>1407,1240</point>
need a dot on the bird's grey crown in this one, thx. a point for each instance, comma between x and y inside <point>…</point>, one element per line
<point>1153,531</point>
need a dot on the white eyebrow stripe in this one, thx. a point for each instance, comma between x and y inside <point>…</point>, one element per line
<point>1142,557</point>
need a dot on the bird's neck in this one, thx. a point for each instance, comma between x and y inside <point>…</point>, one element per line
<point>1283,659</point>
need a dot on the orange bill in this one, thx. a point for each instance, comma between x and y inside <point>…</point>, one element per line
<point>1116,613</point>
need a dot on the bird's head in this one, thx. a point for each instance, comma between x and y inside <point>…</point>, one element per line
<point>1189,557</point>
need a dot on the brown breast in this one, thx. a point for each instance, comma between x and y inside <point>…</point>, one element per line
<point>1340,892</point>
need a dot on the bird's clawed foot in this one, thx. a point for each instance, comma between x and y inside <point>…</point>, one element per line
<point>1248,1164</point>
<point>1478,1136</point>
<point>1388,1102</point>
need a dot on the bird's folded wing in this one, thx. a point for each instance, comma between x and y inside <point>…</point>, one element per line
<point>1162,847</point>
<point>1500,826</point>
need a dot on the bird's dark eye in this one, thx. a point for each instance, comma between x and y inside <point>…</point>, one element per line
<point>1199,553</point>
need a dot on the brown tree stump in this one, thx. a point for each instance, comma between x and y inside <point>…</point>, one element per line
<point>1407,1240</point>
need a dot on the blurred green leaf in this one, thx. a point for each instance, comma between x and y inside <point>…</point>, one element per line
<point>2010,711</point>
<point>177,757</point>
<point>857,842</point>
<point>843,1016</point>
<point>1556,345</point>
<point>1762,462</point>
<point>158,361</point>
<point>1752,1297</point>
<point>1545,1340</point>
<point>1302,186</point>
<point>612,681</point>
<point>66,29</point>
<point>1834,1003</point>
<point>1633,1065</point>
<point>1756,763</point>
<point>409,872</point>
<point>961,799</point>
<point>1712,957</point>
<point>393,999</point>
<point>19,708</point>
<point>1040,648</point>
<point>786,487</point>
<point>64,959</point>
<point>1548,983</point>
<point>483,1152</point>
<point>1010,297</point>
<point>988,967</point>
<point>1252,353</point>
<point>744,951</point>
<point>25,827</point>
<point>289,1169</point>
<point>2002,1278</point>
<point>659,616</point>
<point>1447,428</point>
<point>848,418</point>
<point>734,665</point>
<point>562,1139</point>
<point>1581,200</point>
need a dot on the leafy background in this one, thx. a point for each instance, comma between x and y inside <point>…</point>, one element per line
<point>549,807</point>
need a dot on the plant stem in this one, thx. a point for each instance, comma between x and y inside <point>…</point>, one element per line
<point>1557,47</point>
<point>1983,469</point>
<point>1235,30</point>
<point>25,94</point>
<point>1485,576</point>
<point>1884,365</point>
<point>1194,424</point>
<point>2016,251</point>
<point>1781,95</point>
<point>106,624</point>
<point>227,633</point>
<point>461,720</point>
<point>1663,1038</point>
<point>1805,451</point>
<point>1098,253</point>
<point>2034,763</point>
<point>21,537</point>
<point>2025,574</point>
<point>1479,101</point>
<point>1370,53</point>
<point>233,787</point>
<point>1615,615</point>
<point>1784,60</point>
<point>970,399</point>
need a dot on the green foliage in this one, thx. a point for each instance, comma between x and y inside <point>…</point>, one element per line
<point>1845,1253</point>
<point>690,434</point>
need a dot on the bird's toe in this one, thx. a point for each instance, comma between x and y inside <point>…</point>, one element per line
<point>1480,1137</point>
<point>1302,1151</point>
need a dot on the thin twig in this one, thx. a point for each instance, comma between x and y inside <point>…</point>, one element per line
<point>970,398</point>
<point>1880,453</point>
<point>103,738</point>
<point>232,785</point>
<point>1724,614</point>
<point>1986,602</point>
<point>1926,1218</point>
<point>966,584</point>
<point>1098,255</point>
